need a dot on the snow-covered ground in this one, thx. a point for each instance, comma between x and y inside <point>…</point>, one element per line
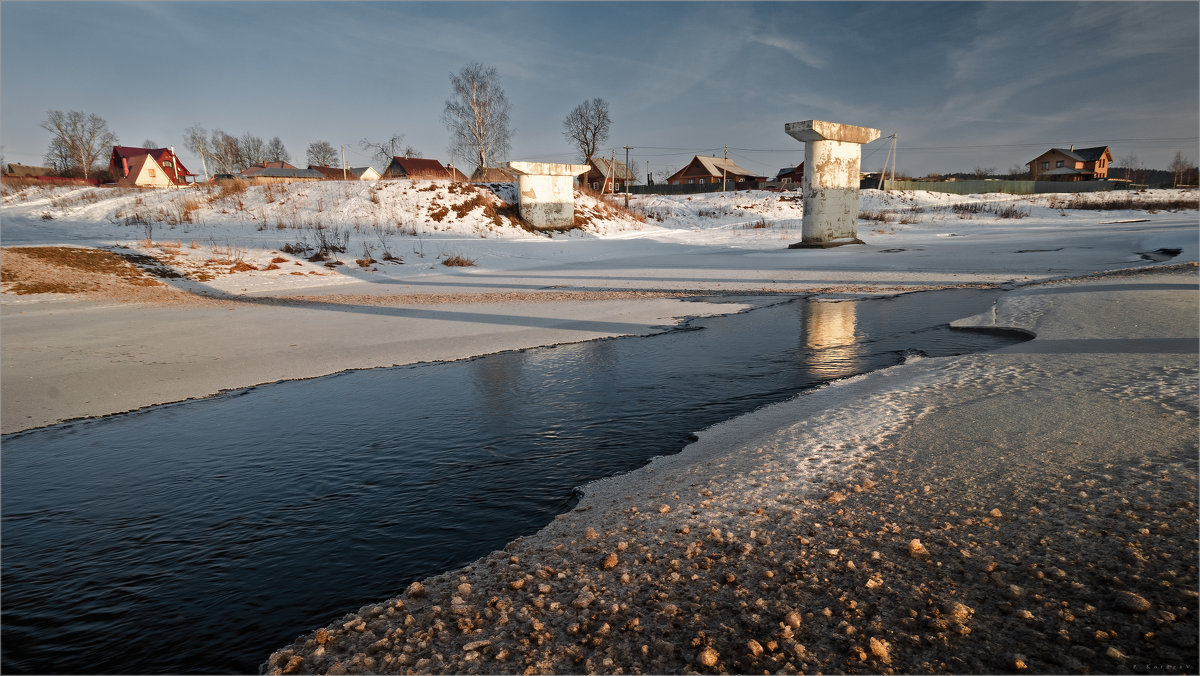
<point>727,241</point>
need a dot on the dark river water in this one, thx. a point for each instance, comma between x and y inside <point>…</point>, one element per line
<point>199,537</point>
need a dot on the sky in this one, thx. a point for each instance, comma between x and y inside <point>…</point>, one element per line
<point>963,85</point>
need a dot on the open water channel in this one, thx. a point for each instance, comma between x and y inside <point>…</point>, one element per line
<point>199,537</point>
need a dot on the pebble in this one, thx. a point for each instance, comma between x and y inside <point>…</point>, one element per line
<point>1131,603</point>
<point>416,590</point>
<point>709,657</point>
<point>917,550</point>
<point>792,619</point>
<point>995,514</point>
<point>610,561</point>
<point>881,650</point>
<point>754,647</point>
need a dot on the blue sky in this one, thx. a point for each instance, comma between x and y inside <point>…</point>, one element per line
<point>964,85</point>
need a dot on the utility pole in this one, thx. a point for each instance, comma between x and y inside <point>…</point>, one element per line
<point>343,161</point>
<point>627,149</point>
<point>723,167</point>
<point>891,155</point>
<point>612,172</point>
<point>894,138</point>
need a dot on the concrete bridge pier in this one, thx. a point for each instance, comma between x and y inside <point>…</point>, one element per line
<point>832,159</point>
<point>546,193</point>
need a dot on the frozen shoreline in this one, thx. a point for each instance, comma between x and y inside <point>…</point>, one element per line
<point>1031,509</point>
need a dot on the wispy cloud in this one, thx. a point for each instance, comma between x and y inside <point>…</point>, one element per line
<point>795,48</point>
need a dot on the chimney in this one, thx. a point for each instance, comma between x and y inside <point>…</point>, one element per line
<point>124,166</point>
<point>1072,147</point>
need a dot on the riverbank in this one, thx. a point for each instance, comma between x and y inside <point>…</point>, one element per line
<point>1030,509</point>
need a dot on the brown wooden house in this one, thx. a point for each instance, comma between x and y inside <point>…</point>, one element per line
<point>791,174</point>
<point>604,172</point>
<point>705,169</point>
<point>1071,164</point>
<point>123,156</point>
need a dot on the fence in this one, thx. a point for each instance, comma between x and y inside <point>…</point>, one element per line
<point>1011,187</point>
<point>689,189</point>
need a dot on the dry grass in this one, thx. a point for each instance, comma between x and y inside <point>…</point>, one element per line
<point>457,261</point>
<point>71,270</point>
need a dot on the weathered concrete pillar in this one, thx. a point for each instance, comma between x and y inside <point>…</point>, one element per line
<point>832,156</point>
<point>547,192</point>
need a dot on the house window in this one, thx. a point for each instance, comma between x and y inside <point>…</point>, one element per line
<point>167,163</point>
<point>1058,164</point>
<point>152,174</point>
<point>1045,165</point>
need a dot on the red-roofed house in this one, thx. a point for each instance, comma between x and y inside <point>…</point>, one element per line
<point>168,163</point>
<point>144,172</point>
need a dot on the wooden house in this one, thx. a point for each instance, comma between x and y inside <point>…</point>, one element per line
<point>705,169</point>
<point>1071,164</point>
<point>144,172</point>
<point>120,165</point>
<point>791,174</point>
<point>418,167</point>
<point>603,172</point>
<point>282,175</point>
<point>364,173</point>
<point>255,168</point>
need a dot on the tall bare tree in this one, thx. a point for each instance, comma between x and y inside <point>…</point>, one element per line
<point>276,152</point>
<point>321,154</point>
<point>254,151</point>
<point>477,115</point>
<point>78,141</point>
<point>227,153</point>
<point>586,127</point>
<point>195,139</point>
<point>385,150</point>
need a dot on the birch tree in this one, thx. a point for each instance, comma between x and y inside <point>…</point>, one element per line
<point>195,139</point>
<point>586,127</point>
<point>477,115</point>
<point>385,150</point>
<point>276,152</point>
<point>78,141</point>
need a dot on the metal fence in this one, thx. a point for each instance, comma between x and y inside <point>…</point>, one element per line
<point>1010,187</point>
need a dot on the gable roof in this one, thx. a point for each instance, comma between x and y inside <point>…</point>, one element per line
<point>1078,154</point>
<point>20,170</point>
<point>279,172</point>
<point>715,164</point>
<point>605,167</point>
<point>493,175</point>
<point>417,166</point>
<point>333,172</point>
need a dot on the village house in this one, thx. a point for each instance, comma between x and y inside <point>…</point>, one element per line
<point>144,172</point>
<point>493,175</point>
<point>1071,164</point>
<point>165,161</point>
<point>26,171</point>
<point>608,174</point>
<point>346,173</point>
<point>282,175</point>
<point>705,169</point>
<point>791,174</point>
<point>255,168</point>
<point>417,167</point>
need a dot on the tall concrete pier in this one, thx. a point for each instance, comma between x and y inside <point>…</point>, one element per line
<point>546,192</point>
<point>832,159</point>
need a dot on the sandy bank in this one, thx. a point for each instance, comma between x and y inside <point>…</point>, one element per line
<point>1031,509</point>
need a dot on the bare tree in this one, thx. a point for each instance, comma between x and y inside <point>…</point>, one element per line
<point>226,153</point>
<point>254,151</point>
<point>78,141</point>
<point>477,115</point>
<point>586,127</point>
<point>321,154</point>
<point>983,172</point>
<point>384,151</point>
<point>1181,168</point>
<point>276,152</point>
<point>195,139</point>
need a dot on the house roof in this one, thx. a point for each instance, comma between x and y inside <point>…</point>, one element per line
<point>27,170</point>
<point>605,167</point>
<point>332,172</point>
<point>357,172</point>
<point>714,165</point>
<point>279,172</point>
<point>418,166</point>
<point>790,170</point>
<point>493,175</point>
